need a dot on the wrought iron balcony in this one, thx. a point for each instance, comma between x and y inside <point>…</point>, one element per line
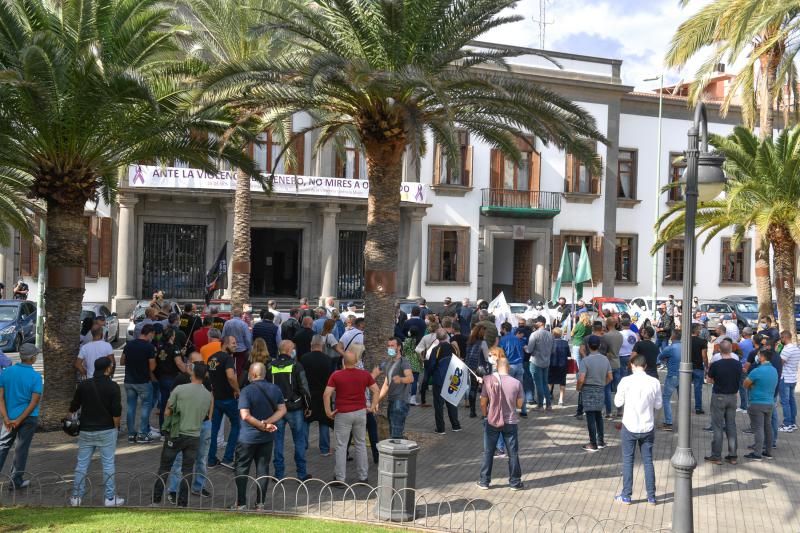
<point>523,204</point>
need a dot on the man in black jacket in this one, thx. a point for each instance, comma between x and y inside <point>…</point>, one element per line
<point>302,340</point>
<point>101,407</point>
<point>289,375</point>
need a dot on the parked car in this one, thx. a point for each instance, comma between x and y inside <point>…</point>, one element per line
<point>92,310</point>
<point>137,315</point>
<point>224,308</point>
<point>746,309</point>
<point>717,312</point>
<point>17,324</point>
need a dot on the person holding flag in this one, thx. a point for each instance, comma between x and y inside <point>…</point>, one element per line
<point>501,396</point>
<point>450,382</point>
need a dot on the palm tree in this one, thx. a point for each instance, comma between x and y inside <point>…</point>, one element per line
<point>383,74</point>
<point>88,87</point>
<point>762,193</point>
<point>16,209</point>
<point>763,33</point>
<point>221,35</point>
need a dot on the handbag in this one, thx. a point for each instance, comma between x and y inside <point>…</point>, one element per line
<point>572,366</point>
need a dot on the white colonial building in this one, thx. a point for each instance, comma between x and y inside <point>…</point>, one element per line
<point>473,231</point>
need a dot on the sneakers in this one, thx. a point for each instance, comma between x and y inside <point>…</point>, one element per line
<point>413,401</point>
<point>651,500</point>
<point>767,456</point>
<point>74,502</point>
<point>144,439</point>
<point>601,445</point>
<point>456,430</point>
<point>753,457</point>
<point>787,429</point>
<point>155,433</point>
<point>731,459</point>
<point>439,432</point>
<point>172,498</point>
<point>227,464</point>
<point>482,486</point>
<point>236,507</point>
<point>699,412</point>
<point>326,454</point>
<point>666,427</point>
<point>23,485</point>
<point>624,500</point>
<point>548,408</point>
<point>740,410</point>
<point>499,454</point>
<point>116,501</point>
<point>202,493</point>
<point>261,507</point>
<point>712,459</point>
<point>518,486</point>
<point>591,448</point>
<point>131,439</point>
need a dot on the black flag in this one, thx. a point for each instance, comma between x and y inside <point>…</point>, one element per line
<point>217,276</point>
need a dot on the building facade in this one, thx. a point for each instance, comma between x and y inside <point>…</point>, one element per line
<point>472,231</point>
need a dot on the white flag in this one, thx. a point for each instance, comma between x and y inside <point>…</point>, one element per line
<point>456,382</point>
<point>500,309</point>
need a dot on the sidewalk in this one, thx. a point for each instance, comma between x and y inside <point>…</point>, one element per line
<point>557,474</point>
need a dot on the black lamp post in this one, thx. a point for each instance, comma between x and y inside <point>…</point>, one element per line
<point>705,179</point>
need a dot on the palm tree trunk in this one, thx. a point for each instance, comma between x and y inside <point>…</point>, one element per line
<point>385,170</point>
<point>784,266</point>
<point>240,258</point>
<point>66,249</point>
<point>763,276</point>
<point>769,61</point>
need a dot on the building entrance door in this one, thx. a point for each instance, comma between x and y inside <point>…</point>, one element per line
<point>275,262</point>
<point>513,269</point>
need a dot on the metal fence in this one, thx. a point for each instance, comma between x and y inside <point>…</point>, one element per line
<point>324,499</point>
<point>174,258</point>
<point>351,265</point>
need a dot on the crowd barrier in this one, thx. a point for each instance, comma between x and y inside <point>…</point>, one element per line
<point>318,498</point>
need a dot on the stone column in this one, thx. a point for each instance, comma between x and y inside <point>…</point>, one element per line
<point>126,250</point>
<point>415,254</point>
<point>228,210</point>
<point>329,253</point>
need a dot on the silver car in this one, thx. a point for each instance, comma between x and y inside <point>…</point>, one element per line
<point>92,310</point>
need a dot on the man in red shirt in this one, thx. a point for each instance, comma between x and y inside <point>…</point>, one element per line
<point>200,337</point>
<point>349,385</point>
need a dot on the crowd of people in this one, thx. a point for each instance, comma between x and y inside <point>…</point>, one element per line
<point>281,373</point>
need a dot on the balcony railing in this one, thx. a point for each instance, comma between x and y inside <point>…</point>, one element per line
<point>531,204</point>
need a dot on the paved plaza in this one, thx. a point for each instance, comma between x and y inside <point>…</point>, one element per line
<point>558,474</point>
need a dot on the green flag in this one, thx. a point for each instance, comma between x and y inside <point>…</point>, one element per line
<point>564,274</point>
<point>583,273</point>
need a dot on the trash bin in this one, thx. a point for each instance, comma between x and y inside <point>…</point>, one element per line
<point>397,472</point>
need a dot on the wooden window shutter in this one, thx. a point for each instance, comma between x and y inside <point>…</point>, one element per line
<point>463,255</point>
<point>596,258</point>
<point>28,257</point>
<point>558,249</point>
<point>299,155</point>
<point>495,169</point>
<point>468,167</point>
<point>435,254</point>
<point>596,181</point>
<point>437,164</point>
<point>568,173</point>
<point>536,170</point>
<point>92,246</point>
<point>105,247</point>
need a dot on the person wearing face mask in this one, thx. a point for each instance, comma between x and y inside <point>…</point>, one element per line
<point>396,386</point>
<point>200,469</point>
<point>766,329</point>
<point>290,376</point>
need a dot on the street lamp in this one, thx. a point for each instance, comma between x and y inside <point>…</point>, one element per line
<point>704,179</point>
<point>654,283</point>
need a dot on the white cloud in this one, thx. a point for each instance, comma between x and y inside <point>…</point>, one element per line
<point>640,30</point>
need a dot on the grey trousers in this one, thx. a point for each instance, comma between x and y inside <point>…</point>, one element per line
<point>344,424</point>
<point>761,424</point>
<point>723,419</point>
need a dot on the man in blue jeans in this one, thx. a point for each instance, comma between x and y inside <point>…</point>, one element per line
<point>511,341</point>
<point>699,349</point>
<point>790,355</point>
<point>20,392</point>
<point>139,359</point>
<point>540,346</point>
<point>671,356</point>
<point>396,386</point>
<point>501,396</point>
<point>225,385</point>
<point>288,374</point>
<point>640,395</point>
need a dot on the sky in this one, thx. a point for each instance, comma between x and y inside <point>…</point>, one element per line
<point>636,31</point>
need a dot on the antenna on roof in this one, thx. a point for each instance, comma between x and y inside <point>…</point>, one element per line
<point>542,21</point>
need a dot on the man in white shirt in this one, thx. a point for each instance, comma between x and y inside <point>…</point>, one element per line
<point>91,352</point>
<point>629,338</point>
<point>732,330</point>
<point>790,355</point>
<point>640,394</point>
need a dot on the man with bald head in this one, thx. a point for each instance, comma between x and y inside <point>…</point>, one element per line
<point>302,339</point>
<point>290,377</point>
<point>349,386</point>
<point>261,404</point>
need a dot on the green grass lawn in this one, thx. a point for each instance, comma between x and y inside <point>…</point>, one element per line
<point>86,519</point>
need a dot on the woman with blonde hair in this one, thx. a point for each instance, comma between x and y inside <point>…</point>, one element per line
<point>258,354</point>
<point>581,330</point>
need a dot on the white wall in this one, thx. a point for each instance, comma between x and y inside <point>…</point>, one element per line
<point>96,291</point>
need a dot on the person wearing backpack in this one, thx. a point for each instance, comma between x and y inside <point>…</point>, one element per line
<point>501,396</point>
<point>261,405</point>
<point>288,374</point>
